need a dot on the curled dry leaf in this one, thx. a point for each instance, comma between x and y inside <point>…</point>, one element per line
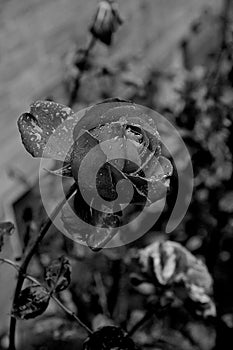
<point>6,229</point>
<point>32,302</point>
<point>58,274</point>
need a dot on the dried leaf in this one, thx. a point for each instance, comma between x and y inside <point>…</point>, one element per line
<point>58,274</point>
<point>32,302</point>
<point>6,229</point>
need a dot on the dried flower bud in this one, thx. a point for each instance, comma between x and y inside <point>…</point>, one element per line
<point>106,21</point>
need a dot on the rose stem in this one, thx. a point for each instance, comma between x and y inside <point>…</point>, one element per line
<point>27,259</point>
<point>74,91</point>
<point>59,303</point>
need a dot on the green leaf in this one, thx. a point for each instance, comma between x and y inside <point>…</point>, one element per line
<point>6,229</point>
<point>32,302</point>
<point>58,274</point>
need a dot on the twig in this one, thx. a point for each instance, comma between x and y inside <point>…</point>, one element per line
<point>27,259</point>
<point>72,314</point>
<point>59,303</point>
<point>75,89</point>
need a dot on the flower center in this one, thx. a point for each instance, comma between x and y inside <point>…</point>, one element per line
<point>134,136</point>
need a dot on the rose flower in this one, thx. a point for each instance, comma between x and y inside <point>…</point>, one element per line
<point>113,152</point>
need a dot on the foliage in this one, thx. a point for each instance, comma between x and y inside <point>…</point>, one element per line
<point>176,291</point>
<point>32,302</point>
<point>58,274</point>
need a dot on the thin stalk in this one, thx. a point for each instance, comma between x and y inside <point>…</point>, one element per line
<point>27,259</point>
<point>59,303</point>
<point>72,314</point>
<point>74,92</point>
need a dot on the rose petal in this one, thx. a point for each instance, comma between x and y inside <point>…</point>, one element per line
<point>87,225</point>
<point>132,114</point>
<point>113,99</point>
<point>153,189</point>
<point>110,137</point>
<point>128,192</point>
<point>102,236</point>
<point>93,174</point>
<point>94,117</point>
<point>133,160</point>
<point>76,228</point>
<point>104,183</point>
<point>159,168</point>
<point>47,130</point>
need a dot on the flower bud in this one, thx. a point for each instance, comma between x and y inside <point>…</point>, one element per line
<point>106,21</point>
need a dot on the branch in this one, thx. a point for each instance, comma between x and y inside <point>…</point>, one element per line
<point>74,91</point>
<point>59,303</point>
<point>27,259</point>
<point>72,314</point>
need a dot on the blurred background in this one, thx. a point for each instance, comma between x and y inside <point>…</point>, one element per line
<point>36,37</point>
<point>164,56</point>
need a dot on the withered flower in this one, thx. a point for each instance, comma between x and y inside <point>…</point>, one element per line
<point>168,265</point>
